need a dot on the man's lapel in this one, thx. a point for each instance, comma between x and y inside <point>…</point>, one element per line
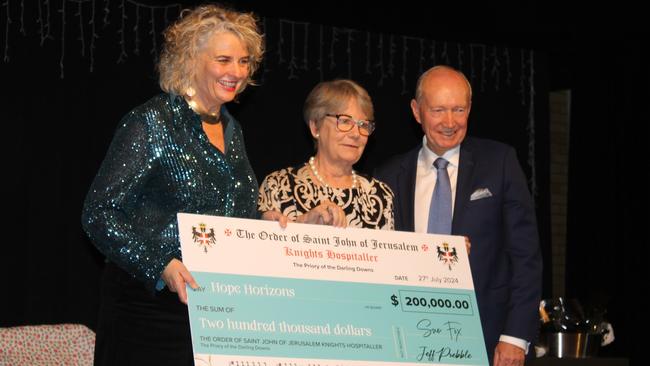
<point>463,184</point>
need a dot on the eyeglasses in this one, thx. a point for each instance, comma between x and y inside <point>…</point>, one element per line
<point>345,123</point>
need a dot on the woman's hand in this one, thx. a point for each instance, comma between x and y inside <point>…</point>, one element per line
<point>327,213</point>
<point>276,216</point>
<point>176,276</point>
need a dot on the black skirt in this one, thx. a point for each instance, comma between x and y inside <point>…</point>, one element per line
<point>137,327</point>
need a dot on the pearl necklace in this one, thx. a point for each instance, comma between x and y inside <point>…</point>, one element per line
<point>312,166</point>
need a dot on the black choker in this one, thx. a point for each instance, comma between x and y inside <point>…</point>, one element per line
<point>210,119</point>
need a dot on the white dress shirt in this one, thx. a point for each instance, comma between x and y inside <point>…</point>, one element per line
<point>425,182</point>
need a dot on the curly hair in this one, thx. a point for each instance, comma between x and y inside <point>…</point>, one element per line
<point>185,39</point>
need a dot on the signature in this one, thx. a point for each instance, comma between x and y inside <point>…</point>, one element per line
<point>453,329</point>
<point>437,355</point>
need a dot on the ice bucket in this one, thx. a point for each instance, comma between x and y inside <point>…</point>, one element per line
<point>572,345</point>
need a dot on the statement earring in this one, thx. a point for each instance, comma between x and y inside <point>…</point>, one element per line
<point>189,93</point>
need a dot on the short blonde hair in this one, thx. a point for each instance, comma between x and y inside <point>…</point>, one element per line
<point>333,96</point>
<point>185,39</point>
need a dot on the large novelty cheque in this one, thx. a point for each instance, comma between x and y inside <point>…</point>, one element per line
<point>314,295</point>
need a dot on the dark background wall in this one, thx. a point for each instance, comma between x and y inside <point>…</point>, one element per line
<point>64,93</point>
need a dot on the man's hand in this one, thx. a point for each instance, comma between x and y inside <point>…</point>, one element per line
<point>506,354</point>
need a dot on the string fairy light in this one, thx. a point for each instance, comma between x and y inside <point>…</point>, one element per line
<point>136,33</point>
<point>483,67</point>
<point>405,49</point>
<point>44,23</point>
<point>22,18</point>
<point>93,37</point>
<point>368,69</point>
<point>506,56</point>
<point>41,30</point>
<point>522,88</point>
<point>107,11</point>
<point>319,66</point>
<point>48,25</point>
<point>292,57</point>
<point>79,14</point>
<point>348,50</point>
<point>280,42</point>
<point>531,126</point>
<point>342,48</point>
<point>380,63</point>
<point>445,55</point>
<point>265,65</point>
<point>152,33</point>
<point>432,55</point>
<point>391,55</point>
<point>121,32</point>
<point>495,68</point>
<point>62,39</point>
<point>7,25</point>
<point>421,58</point>
<point>305,48</point>
<point>332,52</point>
<point>380,49</point>
<point>471,63</point>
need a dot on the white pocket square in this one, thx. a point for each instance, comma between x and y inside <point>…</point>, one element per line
<point>480,193</point>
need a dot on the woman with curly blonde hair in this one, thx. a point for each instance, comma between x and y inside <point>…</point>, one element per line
<point>181,151</point>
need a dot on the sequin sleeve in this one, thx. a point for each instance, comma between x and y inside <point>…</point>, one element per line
<point>137,243</point>
<point>161,163</point>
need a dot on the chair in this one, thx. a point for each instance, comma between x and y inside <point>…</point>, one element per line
<point>57,344</point>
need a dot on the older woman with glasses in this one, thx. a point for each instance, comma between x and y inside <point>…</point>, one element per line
<point>326,189</point>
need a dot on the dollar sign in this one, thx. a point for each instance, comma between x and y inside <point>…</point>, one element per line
<point>393,300</point>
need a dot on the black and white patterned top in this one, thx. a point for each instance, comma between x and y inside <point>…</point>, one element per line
<point>293,192</point>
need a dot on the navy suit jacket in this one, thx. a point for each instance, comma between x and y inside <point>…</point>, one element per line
<point>505,256</point>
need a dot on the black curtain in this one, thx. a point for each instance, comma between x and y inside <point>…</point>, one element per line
<point>66,92</point>
<point>608,182</point>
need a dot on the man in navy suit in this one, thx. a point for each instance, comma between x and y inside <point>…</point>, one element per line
<point>491,205</point>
